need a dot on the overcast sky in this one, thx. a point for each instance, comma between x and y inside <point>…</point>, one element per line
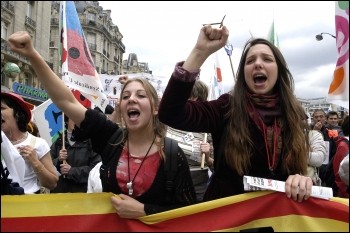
<point>163,33</point>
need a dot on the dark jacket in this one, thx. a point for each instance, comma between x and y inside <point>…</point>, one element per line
<point>81,158</point>
<point>208,116</point>
<point>96,127</point>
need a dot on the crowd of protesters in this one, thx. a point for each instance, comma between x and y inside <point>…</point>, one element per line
<point>258,129</point>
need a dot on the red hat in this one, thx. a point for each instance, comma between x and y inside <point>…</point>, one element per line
<point>20,101</point>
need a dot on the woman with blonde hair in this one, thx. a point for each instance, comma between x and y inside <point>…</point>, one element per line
<point>136,172</point>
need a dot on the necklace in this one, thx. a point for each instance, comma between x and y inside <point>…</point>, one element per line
<point>271,165</point>
<point>129,185</point>
<point>20,140</point>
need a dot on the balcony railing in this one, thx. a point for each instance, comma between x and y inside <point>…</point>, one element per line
<point>121,46</point>
<point>30,22</point>
<point>5,49</point>
<point>8,6</point>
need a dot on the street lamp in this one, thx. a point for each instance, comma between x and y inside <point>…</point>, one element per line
<point>320,37</point>
<point>11,69</point>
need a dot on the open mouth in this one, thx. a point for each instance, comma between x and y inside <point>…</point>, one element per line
<point>260,79</point>
<point>133,114</point>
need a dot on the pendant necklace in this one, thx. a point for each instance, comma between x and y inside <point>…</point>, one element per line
<point>129,185</point>
<point>272,164</point>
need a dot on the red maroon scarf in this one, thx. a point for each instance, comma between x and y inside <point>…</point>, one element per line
<point>265,112</point>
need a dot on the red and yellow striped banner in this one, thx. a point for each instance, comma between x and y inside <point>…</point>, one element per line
<point>93,212</point>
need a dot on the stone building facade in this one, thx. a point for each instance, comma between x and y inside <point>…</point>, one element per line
<point>33,17</point>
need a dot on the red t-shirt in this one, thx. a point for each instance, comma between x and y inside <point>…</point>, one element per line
<point>144,177</point>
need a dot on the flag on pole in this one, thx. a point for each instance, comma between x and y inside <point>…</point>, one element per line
<point>338,92</point>
<point>272,35</point>
<point>48,118</point>
<point>78,69</point>
<point>216,86</point>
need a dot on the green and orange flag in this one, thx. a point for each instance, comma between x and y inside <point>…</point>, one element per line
<point>338,92</point>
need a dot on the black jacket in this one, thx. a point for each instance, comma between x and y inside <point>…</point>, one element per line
<point>81,158</point>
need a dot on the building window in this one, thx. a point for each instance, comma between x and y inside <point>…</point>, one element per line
<point>27,79</point>
<point>91,17</point>
<point>4,27</point>
<point>30,8</point>
<point>91,39</point>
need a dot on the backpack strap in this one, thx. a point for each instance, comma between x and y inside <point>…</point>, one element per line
<point>170,165</point>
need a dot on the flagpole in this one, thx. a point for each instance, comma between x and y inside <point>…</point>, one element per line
<point>203,154</point>
<point>63,139</point>
<point>228,49</point>
<point>233,72</point>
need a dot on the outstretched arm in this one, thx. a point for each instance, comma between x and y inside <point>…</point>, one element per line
<point>21,43</point>
<point>210,40</point>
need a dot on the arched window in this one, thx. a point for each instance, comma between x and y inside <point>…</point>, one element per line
<point>27,78</point>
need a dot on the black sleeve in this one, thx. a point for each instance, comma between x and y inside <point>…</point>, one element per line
<point>97,127</point>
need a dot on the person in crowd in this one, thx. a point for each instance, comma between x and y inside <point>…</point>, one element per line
<point>317,155</point>
<point>326,124</point>
<point>330,133</point>
<point>332,119</point>
<point>259,130</point>
<point>74,160</point>
<point>192,145</point>
<point>139,177</point>
<point>39,169</point>
<point>340,189</point>
<point>332,123</point>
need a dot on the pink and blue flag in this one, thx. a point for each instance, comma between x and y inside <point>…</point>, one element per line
<point>78,69</point>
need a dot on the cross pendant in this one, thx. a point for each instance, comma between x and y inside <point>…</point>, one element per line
<point>129,186</point>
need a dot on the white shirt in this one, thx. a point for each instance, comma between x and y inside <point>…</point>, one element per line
<point>318,153</point>
<point>31,182</point>
<point>11,159</point>
<point>94,181</point>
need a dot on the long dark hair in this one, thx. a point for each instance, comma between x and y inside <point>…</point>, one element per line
<point>239,145</point>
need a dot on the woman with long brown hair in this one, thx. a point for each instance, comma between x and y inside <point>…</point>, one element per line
<point>259,129</point>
